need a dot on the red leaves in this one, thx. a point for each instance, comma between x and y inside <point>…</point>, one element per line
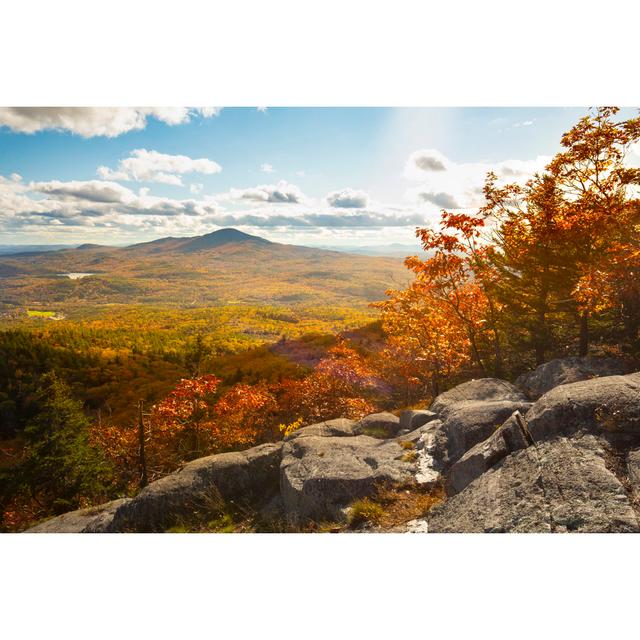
<point>188,399</point>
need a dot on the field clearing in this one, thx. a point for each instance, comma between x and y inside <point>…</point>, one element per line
<point>32,313</point>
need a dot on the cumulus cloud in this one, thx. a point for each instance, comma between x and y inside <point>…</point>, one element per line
<point>208,112</point>
<point>425,160</point>
<point>311,220</point>
<point>153,166</point>
<point>90,190</point>
<point>441,200</point>
<point>89,202</point>
<point>445,184</point>
<point>348,199</point>
<point>89,206</point>
<point>95,121</point>
<point>283,192</point>
<point>266,168</point>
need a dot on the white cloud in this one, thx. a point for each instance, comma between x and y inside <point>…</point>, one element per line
<point>300,173</point>
<point>425,160</point>
<point>526,123</point>
<point>283,192</point>
<point>268,219</point>
<point>208,112</point>
<point>152,166</point>
<point>76,202</point>
<point>441,200</point>
<point>266,168</point>
<point>196,188</point>
<point>87,207</point>
<point>90,190</point>
<point>95,121</point>
<point>348,199</point>
<point>459,185</point>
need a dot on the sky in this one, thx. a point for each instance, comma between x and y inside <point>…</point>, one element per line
<point>340,177</point>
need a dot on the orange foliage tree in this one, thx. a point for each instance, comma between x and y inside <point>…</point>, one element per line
<point>449,315</point>
<point>431,339</point>
<point>460,276</point>
<point>198,418</point>
<point>566,242</point>
<point>601,208</point>
<point>340,386</point>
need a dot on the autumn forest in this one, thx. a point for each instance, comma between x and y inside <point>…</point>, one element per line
<point>163,352</point>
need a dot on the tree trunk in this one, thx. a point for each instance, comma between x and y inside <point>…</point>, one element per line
<point>435,386</point>
<point>475,353</point>
<point>541,331</point>
<point>141,452</point>
<point>497,350</point>
<point>584,333</point>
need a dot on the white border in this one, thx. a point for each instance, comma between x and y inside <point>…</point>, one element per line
<point>329,52</point>
<point>319,52</point>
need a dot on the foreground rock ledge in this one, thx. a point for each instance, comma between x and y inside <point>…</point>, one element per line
<point>568,462</point>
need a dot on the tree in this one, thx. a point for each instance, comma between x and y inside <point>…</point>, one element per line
<point>459,275</point>
<point>529,252</point>
<point>184,412</point>
<point>60,466</point>
<point>423,327</point>
<point>601,212</point>
<point>195,355</point>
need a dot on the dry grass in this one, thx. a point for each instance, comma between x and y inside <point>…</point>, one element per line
<point>400,504</point>
<point>365,511</point>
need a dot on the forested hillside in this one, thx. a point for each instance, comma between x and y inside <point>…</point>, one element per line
<point>119,395</point>
<point>216,269</point>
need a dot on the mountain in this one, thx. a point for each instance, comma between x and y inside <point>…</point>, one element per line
<point>219,268</point>
<point>199,243</point>
<point>10,249</point>
<point>392,249</point>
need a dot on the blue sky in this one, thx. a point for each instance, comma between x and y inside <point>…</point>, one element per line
<point>317,176</point>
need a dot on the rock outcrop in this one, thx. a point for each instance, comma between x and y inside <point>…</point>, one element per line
<point>247,476</point>
<point>465,424</point>
<point>570,461</point>
<point>379,425</point>
<point>320,476</point>
<point>557,486</point>
<point>608,407</point>
<point>92,520</point>
<point>340,427</point>
<point>480,390</point>
<point>410,420</point>
<point>567,370</point>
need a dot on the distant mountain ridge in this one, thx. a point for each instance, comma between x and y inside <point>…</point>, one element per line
<point>223,267</point>
<point>200,243</point>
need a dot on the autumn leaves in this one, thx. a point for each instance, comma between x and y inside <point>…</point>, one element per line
<point>534,270</point>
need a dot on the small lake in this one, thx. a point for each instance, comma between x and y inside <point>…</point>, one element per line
<point>75,276</point>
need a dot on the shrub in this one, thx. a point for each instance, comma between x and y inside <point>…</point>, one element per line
<point>365,511</point>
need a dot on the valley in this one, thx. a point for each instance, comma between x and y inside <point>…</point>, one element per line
<point>225,267</point>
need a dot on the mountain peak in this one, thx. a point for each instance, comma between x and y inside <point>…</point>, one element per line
<point>218,238</point>
<point>201,243</point>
